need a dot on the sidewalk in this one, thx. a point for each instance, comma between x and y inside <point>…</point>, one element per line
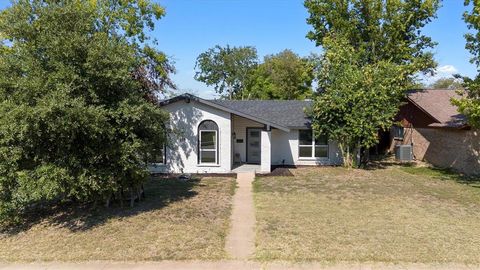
<point>240,242</point>
<point>226,265</point>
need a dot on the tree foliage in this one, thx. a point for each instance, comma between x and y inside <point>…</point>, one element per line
<point>285,76</point>
<point>469,104</point>
<point>379,30</point>
<point>236,73</point>
<point>372,51</point>
<point>447,83</point>
<point>226,68</point>
<point>76,84</point>
<point>355,102</point>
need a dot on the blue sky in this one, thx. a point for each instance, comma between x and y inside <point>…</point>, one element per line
<point>192,26</point>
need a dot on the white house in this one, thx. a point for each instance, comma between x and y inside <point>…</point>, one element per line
<point>218,136</point>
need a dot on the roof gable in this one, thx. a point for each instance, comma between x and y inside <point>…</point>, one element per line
<point>288,113</point>
<point>437,104</point>
<point>265,112</point>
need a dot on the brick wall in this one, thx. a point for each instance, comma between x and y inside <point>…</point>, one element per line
<point>457,149</point>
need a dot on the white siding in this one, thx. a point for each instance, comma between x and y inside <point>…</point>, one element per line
<point>181,154</point>
<point>182,151</point>
<point>282,142</point>
<point>285,150</point>
<point>240,126</point>
<point>266,162</point>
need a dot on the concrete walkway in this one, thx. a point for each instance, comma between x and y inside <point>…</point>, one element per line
<point>246,168</point>
<point>240,243</point>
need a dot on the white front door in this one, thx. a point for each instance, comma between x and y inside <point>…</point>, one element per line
<point>254,145</point>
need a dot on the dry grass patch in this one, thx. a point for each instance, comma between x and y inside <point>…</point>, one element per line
<point>177,221</point>
<point>384,215</point>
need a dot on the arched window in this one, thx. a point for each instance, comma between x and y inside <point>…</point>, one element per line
<point>208,142</point>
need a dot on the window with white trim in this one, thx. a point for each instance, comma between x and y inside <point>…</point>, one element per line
<point>310,146</point>
<point>208,142</point>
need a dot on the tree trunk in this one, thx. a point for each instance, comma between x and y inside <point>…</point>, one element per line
<point>347,158</point>
<point>107,201</point>
<point>132,197</point>
<point>121,198</point>
<point>365,156</point>
<point>139,193</point>
<point>143,192</point>
<point>358,156</point>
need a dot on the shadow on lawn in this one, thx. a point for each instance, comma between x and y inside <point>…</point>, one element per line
<point>444,174</point>
<point>384,162</point>
<point>278,171</point>
<point>159,193</point>
<point>381,162</point>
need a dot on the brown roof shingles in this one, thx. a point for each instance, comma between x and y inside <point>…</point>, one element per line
<point>437,103</point>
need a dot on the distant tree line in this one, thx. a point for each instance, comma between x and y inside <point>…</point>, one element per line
<point>237,73</point>
<point>451,83</point>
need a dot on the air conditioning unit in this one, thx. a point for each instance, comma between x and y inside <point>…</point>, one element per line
<point>404,153</point>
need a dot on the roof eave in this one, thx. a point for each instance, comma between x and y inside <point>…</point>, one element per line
<point>220,107</point>
<point>450,126</point>
<point>423,110</point>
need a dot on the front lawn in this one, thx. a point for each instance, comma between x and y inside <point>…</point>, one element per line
<point>177,220</point>
<point>382,215</point>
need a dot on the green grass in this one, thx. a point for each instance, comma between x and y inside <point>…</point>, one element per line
<point>385,215</point>
<point>177,221</point>
<point>443,174</point>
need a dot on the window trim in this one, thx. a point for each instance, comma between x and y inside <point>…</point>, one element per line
<point>207,150</point>
<point>395,130</point>
<point>313,146</point>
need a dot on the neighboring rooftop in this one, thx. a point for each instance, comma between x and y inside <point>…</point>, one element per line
<point>437,103</point>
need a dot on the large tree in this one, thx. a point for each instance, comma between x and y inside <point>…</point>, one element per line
<point>77,89</point>
<point>379,45</point>
<point>356,100</point>
<point>285,75</point>
<point>469,104</point>
<point>227,69</point>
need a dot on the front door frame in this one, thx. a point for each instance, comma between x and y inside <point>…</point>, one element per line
<point>246,145</point>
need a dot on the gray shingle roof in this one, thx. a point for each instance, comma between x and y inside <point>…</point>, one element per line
<point>287,113</point>
<point>283,114</point>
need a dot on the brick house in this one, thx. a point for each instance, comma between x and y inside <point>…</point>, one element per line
<point>438,133</point>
